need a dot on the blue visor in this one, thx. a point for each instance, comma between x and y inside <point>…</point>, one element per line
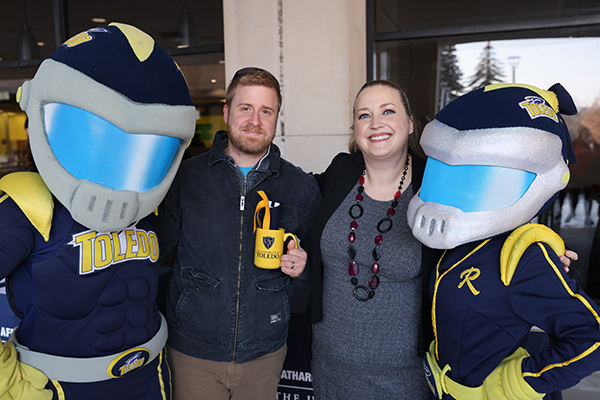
<point>91,148</point>
<point>473,187</point>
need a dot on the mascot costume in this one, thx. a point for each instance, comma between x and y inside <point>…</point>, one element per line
<point>110,115</point>
<point>497,157</point>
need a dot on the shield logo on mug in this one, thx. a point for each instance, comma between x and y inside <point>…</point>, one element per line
<point>268,241</point>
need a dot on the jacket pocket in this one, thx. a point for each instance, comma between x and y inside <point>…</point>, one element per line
<point>196,307</point>
<point>272,313</point>
<point>288,216</point>
<point>197,279</point>
<point>273,283</point>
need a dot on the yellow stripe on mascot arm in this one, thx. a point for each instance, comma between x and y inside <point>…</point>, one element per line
<point>30,193</point>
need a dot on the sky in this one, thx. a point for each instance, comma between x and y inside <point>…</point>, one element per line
<point>572,62</point>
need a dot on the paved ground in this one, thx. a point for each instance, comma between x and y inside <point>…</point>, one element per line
<point>587,389</point>
<point>580,236</point>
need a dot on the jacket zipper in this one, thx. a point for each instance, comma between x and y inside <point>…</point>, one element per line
<point>239,277</point>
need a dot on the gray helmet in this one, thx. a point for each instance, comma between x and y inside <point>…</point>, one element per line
<point>110,116</point>
<point>497,157</point>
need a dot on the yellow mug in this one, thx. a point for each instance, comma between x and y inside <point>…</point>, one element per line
<point>268,247</point>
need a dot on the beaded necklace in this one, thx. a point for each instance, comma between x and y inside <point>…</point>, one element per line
<point>362,292</point>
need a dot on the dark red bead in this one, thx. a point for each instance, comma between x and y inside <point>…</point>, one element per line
<point>359,197</point>
<point>397,195</point>
<point>378,240</point>
<point>361,180</point>
<point>391,212</point>
<point>351,237</point>
<point>353,225</point>
<point>374,282</point>
<point>375,268</point>
<point>352,268</point>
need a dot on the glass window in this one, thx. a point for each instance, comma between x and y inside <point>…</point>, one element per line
<point>432,49</point>
<point>394,15</point>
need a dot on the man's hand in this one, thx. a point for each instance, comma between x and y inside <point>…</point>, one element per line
<point>294,261</point>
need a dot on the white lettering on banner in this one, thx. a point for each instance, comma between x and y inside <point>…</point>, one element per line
<point>283,396</point>
<point>296,375</point>
<point>6,332</point>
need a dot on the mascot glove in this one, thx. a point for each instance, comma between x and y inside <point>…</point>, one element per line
<point>434,374</point>
<point>18,380</point>
<point>507,382</point>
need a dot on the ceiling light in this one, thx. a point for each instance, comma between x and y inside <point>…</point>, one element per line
<point>41,44</point>
<point>213,81</point>
<point>186,29</point>
<point>99,20</point>
<point>27,48</point>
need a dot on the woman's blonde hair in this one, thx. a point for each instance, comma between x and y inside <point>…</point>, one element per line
<point>412,139</point>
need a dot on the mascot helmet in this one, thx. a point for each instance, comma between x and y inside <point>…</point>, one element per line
<point>497,157</point>
<point>110,116</point>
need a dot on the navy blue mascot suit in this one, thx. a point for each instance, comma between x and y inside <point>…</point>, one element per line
<point>497,157</point>
<point>110,116</point>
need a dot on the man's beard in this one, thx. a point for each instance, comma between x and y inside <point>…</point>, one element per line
<point>249,145</point>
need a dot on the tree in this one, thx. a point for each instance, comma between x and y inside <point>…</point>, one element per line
<point>590,117</point>
<point>489,69</point>
<point>450,75</point>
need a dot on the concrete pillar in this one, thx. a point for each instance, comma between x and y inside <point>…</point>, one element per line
<point>317,49</point>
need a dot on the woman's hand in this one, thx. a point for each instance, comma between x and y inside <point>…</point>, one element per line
<point>566,259</point>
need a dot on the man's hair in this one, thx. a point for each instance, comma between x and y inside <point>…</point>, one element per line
<point>252,76</point>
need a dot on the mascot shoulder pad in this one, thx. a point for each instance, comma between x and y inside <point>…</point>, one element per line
<point>30,193</point>
<point>519,240</point>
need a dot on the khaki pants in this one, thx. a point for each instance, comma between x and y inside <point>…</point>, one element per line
<point>197,379</point>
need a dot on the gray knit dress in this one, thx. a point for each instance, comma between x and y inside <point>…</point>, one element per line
<point>368,350</point>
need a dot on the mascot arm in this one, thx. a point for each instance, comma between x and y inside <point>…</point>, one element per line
<point>18,380</point>
<point>17,236</point>
<point>507,382</point>
<point>26,206</point>
<point>29,191</point>
<point>542,294</point>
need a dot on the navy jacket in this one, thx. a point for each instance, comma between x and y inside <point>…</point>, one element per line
<point>479,320</point>
<point>220,306</point>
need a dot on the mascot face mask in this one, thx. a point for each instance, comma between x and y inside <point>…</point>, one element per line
<point>109,118</point>
<point>494,155</point>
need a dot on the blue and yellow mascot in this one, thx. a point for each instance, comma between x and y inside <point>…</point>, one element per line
<point>110,116</point>
<point>497,157</point>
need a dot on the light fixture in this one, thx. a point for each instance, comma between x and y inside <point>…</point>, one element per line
<point>514,61</point>
<point>186,29</point>
<point>99,20</point>
<point>27,48</point>
<point>213,80</point>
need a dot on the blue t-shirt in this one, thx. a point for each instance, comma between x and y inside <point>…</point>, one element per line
<point>245,170</point>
